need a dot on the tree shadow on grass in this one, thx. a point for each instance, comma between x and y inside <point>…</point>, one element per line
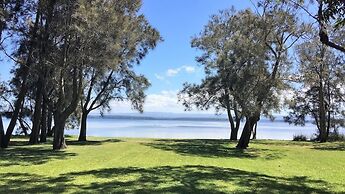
<point>330,146</point>
<point>163,179</point>
<point>20,153</point>
<point>282,143</point>
<point>212,148</point>
<point>91,142</point>
<point>31,155</point>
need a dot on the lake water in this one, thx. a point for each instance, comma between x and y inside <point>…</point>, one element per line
<point>184,126</point>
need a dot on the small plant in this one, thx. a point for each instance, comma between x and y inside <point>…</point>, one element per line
<point>299,137</point>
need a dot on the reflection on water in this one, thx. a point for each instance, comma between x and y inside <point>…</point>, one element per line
<point>196,127</point>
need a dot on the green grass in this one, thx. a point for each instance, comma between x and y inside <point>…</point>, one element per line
<point>173,166</point>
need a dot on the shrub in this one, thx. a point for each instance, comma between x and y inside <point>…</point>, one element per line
<point>299,138</point>
<point>336,136</point>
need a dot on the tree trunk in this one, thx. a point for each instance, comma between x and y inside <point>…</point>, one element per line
<point>82,135</point>
<point>23,126</point>
<point>233,132</point>
<point>49,123</point>
<point>246,133</point>
<point>34,137</point>
<point>254,130</point>
<point>2,132</point>
<point>59,137</point>
<point>43,137</point>
<point>322,109</point>
<point>322,120</point>
<point>17,107</point>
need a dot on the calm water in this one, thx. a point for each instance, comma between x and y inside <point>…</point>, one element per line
<point>183,126</point>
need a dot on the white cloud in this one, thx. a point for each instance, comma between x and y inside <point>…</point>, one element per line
<point>189,69</point>
<point>173,72</point>
<point>159,77</point>
<point>185,68</point>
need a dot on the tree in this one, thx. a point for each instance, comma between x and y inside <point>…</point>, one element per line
<point>250,53</point>
<point>25,63</point>
<point>281,30</point>
<point>124,39</point>
<point>321,94</point>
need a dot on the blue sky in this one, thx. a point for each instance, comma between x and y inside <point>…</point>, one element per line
<point>172,62</point>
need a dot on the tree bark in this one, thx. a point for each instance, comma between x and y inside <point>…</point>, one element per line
<point>254,130</point>
<point>246,133</point>
<point>322,109</point>
<point>2,132</point>
<point>233,132</point>
<point>34,137</point>
<point>59,137</point>
<point>43,137</point>
<point>83,123</point>
<point>49,123</point>
<point>322,115</point>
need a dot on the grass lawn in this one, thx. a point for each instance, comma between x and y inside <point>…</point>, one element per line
<point>173,166</point>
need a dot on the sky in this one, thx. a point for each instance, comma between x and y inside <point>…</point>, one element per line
<point>172,62</point>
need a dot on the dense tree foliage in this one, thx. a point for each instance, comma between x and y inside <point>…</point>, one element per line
<point>245,56</point>
<point>75,57</point>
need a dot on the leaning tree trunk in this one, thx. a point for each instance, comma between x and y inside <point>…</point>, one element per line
<point>82,135</point>
<point>2,132</point>
<point>17,107</point>
<point>34,137</point>
<point>246,133</point>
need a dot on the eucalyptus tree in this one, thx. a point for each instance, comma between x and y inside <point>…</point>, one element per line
<point>249,52</point>
<point>321,94</point>
<point>123,38</point>
<point>281,30</point>
<point>28,30</point>
<point>233,57</point>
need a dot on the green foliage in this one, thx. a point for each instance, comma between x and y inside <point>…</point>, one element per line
<point>299,138</point>
<point>335,10</point>
<point>321,72</point>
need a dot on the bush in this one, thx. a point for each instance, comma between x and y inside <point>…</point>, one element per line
<point>336,136</point>
<point>299,138</point>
